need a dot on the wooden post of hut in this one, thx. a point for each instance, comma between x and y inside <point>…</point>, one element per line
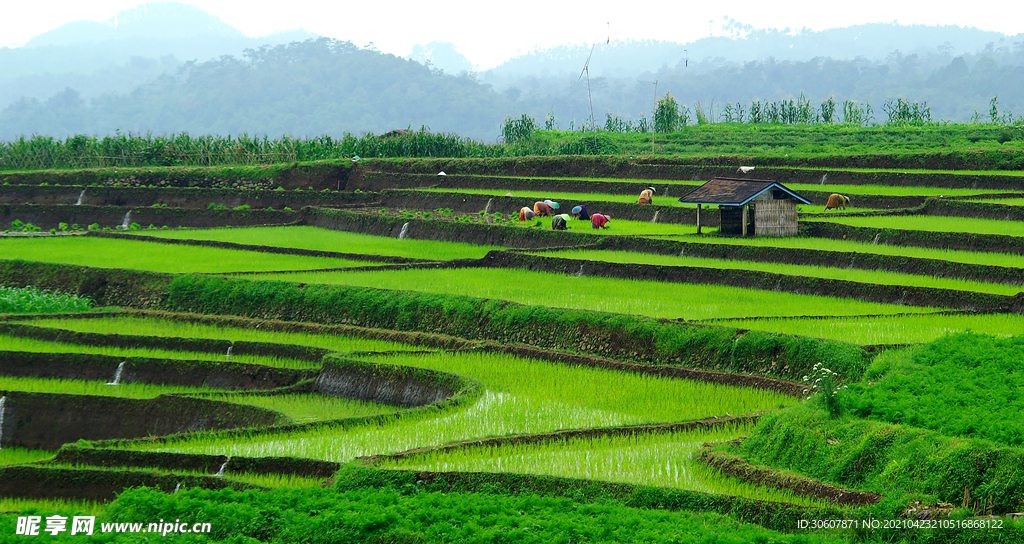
<point>774,206</point>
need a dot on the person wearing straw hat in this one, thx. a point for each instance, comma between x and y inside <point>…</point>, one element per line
<point>599,221</point>
<point>542,209</point>
<point>646,196</point>
<point>526,214</point>
<point>580,212</point>
<point>560,221</point>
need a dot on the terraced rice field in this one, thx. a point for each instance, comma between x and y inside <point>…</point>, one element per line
<point>534,411</point>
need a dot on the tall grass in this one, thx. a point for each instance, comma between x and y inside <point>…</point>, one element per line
<point>29,300</point>
<point>134,150</point>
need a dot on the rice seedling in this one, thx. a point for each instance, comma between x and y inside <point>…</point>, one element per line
<point>662,460</point>
<point>145,326</point>
<point>17,455</point>
<point>521,396</point>
<point>141,255</point>
<point>935,223</point>
<point>67,507</point>
<point>318,239</point>
<point>897,329</point>
<point>29,300</point>
<point>649,298</point>
<point>17,343</point>
<point>1003,201</point>
<point>277,481</point>
<point>96,388</point>
<point>309,407</point>
<point>849,274</point>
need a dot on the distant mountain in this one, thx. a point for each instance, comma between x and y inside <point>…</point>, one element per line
<point>308,88</point>
<point>133,47</point>
<point>742,44</point>
<point>153,21</point>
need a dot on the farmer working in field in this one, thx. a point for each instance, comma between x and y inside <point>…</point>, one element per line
<point>837,201</point>
<point>580,212</point>
<point>542,209</point>
<point>646,196</point>
<point>526,214</point>
<point>598,221</point>
<point>560,221</point>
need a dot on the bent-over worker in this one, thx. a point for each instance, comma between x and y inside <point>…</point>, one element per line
<point>646,196</point>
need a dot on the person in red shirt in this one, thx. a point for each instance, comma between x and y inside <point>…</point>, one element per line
<point>598,221</point>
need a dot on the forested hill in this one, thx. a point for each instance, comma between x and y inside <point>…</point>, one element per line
<point>309,88</point>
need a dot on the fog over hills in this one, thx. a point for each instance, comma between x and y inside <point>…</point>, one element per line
<point>135,46</point>
<point>167,67</point>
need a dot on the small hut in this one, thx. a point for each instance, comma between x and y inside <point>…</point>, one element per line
<point>770,204</point>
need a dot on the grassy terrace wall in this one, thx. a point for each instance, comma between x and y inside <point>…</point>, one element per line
<point>900,294</point>
<point>476,233</point>
<point>786,170</point>
<point>608,335</point>
<point>344,175</point>
<point>49,420</point>
<point>48,217</point>
<point>473,203</point>
<point>820,257</point>
<point>72,454</point>
<point>95,485</point>
<point>241,347</point>
<point>319,175</point>
<point>82,366</point>
<point>967,241</point>
<point>107,287</point>
<point>183,197</point>
<point>385,181</point>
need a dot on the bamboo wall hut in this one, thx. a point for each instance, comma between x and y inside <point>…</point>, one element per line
<point>759,206</point>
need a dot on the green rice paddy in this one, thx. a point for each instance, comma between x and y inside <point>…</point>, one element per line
<point>151,256</point>
<point>18,343</point>
<point>648,298</point>
<point>849,274</point>
<point>825,244</point>
<point>871,330</point>
<point>521,396</point>
<point>318,239</point>
<point>663,460</point>
<point>150,326</point>
<point>934,223</point>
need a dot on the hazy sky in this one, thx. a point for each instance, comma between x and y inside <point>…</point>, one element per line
<point>488,33</point>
